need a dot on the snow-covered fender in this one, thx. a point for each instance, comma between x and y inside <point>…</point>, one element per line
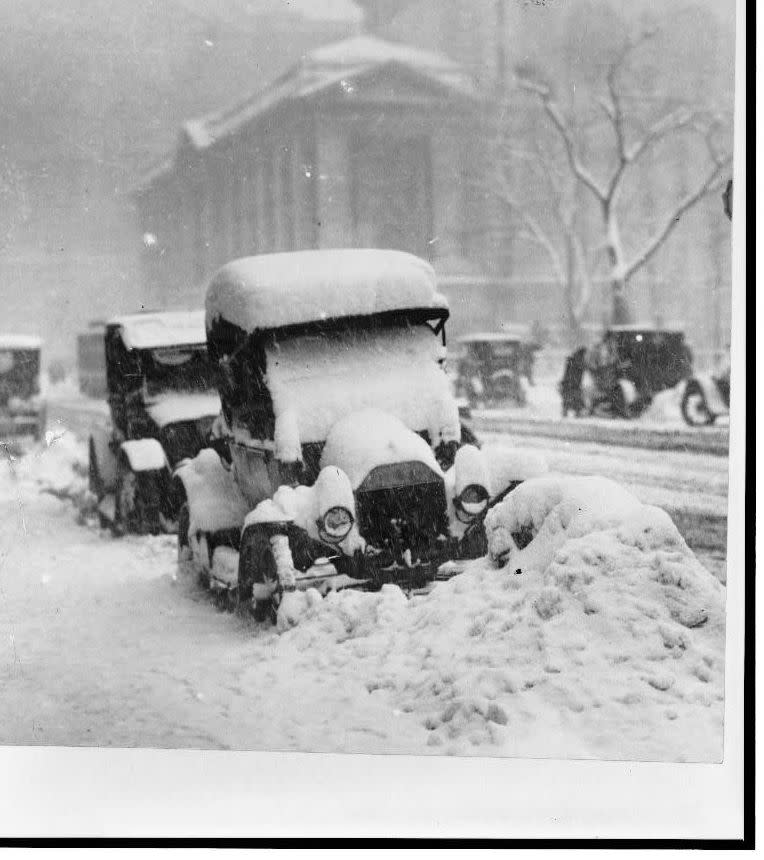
<point>105,460</point>
<point>145,455</point>
<point>713,398</point>
<point>215,502</point>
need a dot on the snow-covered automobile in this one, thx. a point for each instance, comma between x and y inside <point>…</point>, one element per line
<point>22,407</point>
<point>621,374</point>
<point>345,462</point>
<point>495,367</point>
<point>706,397</point>
<point>162,406</point>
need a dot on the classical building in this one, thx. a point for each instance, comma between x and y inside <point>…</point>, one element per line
<point>365,143</point>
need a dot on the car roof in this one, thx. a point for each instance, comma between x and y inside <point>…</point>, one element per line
<point>20,341</point>
<point>273,291</point>
<point>156,329</point>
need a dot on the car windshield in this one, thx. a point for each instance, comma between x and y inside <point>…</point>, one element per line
<point>178,369</point>
<point>19,373</point>
<point>316,379</point>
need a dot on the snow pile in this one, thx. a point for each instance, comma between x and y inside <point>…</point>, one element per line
<point>58,466</point>
<point>610,643</point>
<point>666,406</point>
<point>315,381</point>
<point>151,330</point>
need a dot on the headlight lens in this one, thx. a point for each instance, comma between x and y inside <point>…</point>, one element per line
<point>471,502</point>
<point>335,525</point>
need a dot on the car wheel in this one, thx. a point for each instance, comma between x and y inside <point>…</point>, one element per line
<point>185,553</point>
<point>257,567</point>
<point>95,481</point>
<point>135,511</point>
<point>695,409</point>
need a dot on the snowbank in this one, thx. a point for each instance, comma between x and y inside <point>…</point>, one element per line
<point>610,644</point>
<point>58,465</point>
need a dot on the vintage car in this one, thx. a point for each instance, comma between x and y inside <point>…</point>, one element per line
<point>162,404</point>
<point>22,407</point>
<point>344,464</point>
<point>706,397</point>
<point>620,375</point>
<point>495,367</point>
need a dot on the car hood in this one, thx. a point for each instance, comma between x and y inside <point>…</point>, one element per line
<point>175,407</point>
<point>362,441</point>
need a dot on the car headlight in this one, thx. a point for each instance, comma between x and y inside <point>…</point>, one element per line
<point>335,525</point>
<point>471,502</point>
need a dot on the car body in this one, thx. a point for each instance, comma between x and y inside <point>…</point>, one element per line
<point>706,397</point>
<point>620,375</point>
<point>162,405</point>
<point>494,367</point>
<point>22,407</point>
<point>345,465</point>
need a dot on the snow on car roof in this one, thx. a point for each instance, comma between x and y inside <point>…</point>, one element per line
<point>276,290</point>
<point>19,341</point>
<point>155,329</point>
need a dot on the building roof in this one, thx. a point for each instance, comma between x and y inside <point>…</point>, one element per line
<point>333,65</point>
<point>156,329</point>
<point>277,290</point>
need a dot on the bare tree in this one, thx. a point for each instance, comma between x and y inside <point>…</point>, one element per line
<point>631,140</point>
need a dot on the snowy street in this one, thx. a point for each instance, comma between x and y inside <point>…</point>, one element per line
<point>104,645</point>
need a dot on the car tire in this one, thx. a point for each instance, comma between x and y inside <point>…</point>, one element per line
<point>185,553</point>
<point>695,409</point>
<point>257,565</point>
<point>136,502</point>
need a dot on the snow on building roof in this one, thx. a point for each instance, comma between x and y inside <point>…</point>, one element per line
<point>19,341</point>
<point>156,329</point>
<point>331,65</point>
<point>275,290</point>
<point>327,66</point>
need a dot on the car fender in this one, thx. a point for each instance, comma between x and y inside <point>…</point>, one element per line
<point>713,398</point>
<point>215,502</point>
<point>105,459</point>
<point>144,455</point>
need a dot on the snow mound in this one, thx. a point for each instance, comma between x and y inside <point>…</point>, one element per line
<point>58,466</point>
<point>666,406</point>
<point>610,644</point>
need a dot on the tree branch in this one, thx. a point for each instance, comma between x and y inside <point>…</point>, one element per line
<point>554,114</point>
<point>656,241</point>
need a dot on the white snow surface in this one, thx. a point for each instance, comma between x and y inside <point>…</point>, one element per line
<point>20,341</point>
<point>274,290</point>
<point>171,407</point>
<point>215,501</point>
<point>601,653</point>
<point>316,381</point>
<point>155,329</point>
<point>363,440</point>
<point>145,455</point>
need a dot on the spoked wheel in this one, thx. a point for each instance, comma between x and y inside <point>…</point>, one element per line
<point>135,511</point>
<point>258,573</point>
<point>695,409</point>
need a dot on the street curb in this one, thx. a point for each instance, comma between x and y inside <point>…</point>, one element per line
<point>699,440</point>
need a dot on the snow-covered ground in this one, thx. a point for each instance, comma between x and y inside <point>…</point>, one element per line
<point>611,648</point>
